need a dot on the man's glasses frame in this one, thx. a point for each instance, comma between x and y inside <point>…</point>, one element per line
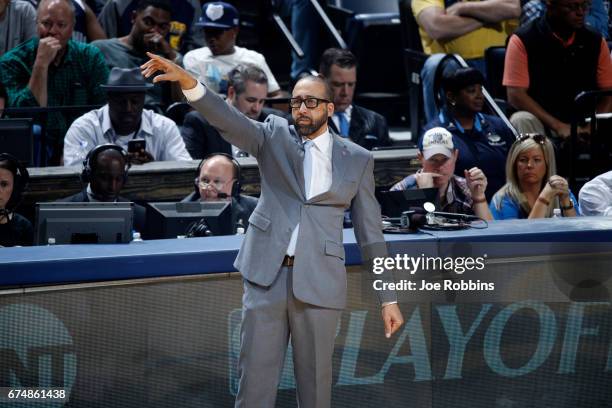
<point>310,102</point>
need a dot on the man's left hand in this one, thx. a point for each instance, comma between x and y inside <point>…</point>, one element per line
<point>393,319</point>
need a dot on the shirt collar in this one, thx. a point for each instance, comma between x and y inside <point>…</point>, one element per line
<point>322,142</point>
<point>145,124</point>
<point>478,120</point>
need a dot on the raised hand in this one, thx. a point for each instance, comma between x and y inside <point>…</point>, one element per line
<point>426,180</point>
<point>476,182</point>
<point>48,49</point>
<point>170,71</point>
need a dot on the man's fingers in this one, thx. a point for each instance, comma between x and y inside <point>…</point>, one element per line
<point>388,326</point>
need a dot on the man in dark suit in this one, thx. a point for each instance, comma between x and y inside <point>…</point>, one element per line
<point>363,126</point>
<point>218,178</point>
<point>104,173</point>
<point>247,92</point>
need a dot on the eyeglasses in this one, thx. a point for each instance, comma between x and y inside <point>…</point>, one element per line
<point>310,102</point>
<point>574,7</point>
<point>537,137</point>
<point>217,184</point>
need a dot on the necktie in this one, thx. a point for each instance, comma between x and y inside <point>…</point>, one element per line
<point>344,125</point>
<point>307,166</point>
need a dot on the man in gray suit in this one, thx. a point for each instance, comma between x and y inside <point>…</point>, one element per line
<point>292,257</point>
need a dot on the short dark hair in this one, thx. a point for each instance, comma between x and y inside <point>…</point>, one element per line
<point>329,93</point>
<point>456,80</point>
<point>160,4</point>
<point>336,56</point>
<point>238,77</point>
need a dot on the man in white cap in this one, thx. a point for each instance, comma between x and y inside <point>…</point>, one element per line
<point>438,156</point>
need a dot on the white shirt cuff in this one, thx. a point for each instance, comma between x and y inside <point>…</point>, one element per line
<point>195,93</point>
<point>389,303</point>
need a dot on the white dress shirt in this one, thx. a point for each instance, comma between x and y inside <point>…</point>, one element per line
<point>320,176</point>
<point>595,197</point>
<point>162,136</point>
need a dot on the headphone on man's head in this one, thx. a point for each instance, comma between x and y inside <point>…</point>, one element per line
<point>21,178</point>
<point>92,156</point>
<point>237,186</point>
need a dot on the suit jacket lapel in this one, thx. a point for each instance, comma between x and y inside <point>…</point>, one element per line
<point>297,159</point>
<point>356,126</point>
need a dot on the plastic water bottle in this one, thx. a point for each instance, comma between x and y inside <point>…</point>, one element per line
<point>557,213</point>
<point>136,237</point>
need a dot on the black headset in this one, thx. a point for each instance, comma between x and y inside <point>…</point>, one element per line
<point>237,186</point>
<point>93,155</point>
<point>21,178</point>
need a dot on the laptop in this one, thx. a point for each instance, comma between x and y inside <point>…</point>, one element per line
<point>394,203</point>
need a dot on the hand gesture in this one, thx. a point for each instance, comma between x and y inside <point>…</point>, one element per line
<point>393,319</point>
<point>170,72</point>
<point>48,48</point>
<point>157,42</point>
<point>141,157</point>
<point>476,182</point>
<point>426,180</point>
<point>557,186</point>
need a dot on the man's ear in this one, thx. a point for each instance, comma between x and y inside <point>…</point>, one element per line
<point>330,109</point>
<point>231,93</point>
<point>420,156</point>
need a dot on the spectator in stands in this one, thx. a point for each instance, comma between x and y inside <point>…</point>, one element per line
<point>105,172</point>
<point>151,24</point>
<point>117,19</point>
<point>17,23</point>
<point>483,140</point>
<point>247,90</point>
<point>466,28</point>
<point>548,63</point>
<point>218,178</point>
<point>595,197</point>
<point>597,17</point>
<point>14,228</point>
<point>211,64</point>
<point>53,70</point>
<point>532,188</point>
<point>86,25</point>
<point>123,119</point>
<point>438,155</point>
<point>363,126</point>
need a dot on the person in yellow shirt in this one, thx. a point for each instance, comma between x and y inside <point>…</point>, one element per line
<point>466,28</point>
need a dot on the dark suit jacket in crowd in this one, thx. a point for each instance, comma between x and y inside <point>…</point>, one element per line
<point>139,211</point>
<point>242,208</point>
<point>201,139</point>
<point>367,128</point>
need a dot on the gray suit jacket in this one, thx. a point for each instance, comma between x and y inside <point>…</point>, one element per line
<point>319,276</point>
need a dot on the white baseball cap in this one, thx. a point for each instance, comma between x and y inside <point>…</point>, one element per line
<point>437,141</point>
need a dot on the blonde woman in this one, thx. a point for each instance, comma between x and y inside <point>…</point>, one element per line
<point>532,188</point>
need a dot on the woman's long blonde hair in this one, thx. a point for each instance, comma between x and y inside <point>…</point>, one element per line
<point>512,187</point>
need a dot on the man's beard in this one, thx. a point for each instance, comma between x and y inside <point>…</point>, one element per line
<point>306,130</point>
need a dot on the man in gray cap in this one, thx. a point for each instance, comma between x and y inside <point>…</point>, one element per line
<point>124,119</point>
<point>211,64</point>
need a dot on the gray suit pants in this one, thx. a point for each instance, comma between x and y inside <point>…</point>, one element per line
<point>270,317</point>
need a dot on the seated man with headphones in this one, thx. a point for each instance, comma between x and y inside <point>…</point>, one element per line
<point>218,178</point>
<point>105,171</point>
<point>15,230</point>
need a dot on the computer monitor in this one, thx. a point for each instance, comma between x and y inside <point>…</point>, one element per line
<point>84,223</point>
<point>16,138</point>
<point>169,220</point>
<point>393,203</point>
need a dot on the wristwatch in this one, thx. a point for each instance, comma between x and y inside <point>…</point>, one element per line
<point>568,207</point>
